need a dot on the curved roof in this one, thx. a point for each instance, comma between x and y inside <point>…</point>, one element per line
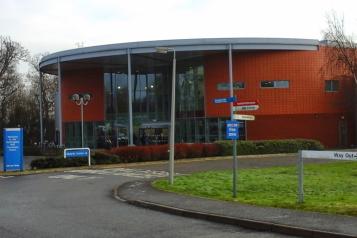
<point>180,45</point>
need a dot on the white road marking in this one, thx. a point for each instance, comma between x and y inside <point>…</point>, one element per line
<point>134,173</point>
<point>6,177</point>
<point>71,176</point>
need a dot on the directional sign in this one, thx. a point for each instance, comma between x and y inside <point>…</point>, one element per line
<point>246,108</point>
<point>244,117</point>
<point>225,100</point>
<point>246,103</point>
<point>13,149</point>
<point>336,155</point>
<point>78,153</point>
<point>232,132</point>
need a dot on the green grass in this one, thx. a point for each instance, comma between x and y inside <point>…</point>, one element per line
<point>330,188</point>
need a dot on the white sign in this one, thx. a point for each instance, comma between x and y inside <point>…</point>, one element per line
<point>337,155</point>
<point>313,154</point>
<point>246,108</point>
<point>244,117</point>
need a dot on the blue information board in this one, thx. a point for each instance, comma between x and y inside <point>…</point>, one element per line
<point>232,131</point>
<point>77,153</point>
<point>71,153</point>
<point>13,149</point>
<point>225,100</point>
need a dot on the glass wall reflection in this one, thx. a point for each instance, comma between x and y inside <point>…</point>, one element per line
<point>151,100</point>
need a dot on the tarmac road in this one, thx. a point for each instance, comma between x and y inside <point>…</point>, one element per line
<point>80,204</point>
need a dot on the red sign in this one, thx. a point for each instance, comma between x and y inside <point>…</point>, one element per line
<point>251,103</point>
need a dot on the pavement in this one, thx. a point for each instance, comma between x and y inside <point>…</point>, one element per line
<point>284,221</point>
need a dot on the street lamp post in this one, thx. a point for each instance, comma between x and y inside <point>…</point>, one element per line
<point>41,113</point>
<point>81,99</point>
<point>164,50</point>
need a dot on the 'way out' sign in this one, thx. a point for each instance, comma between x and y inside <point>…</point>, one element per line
<point>337,155</point>
<point>313,154</point>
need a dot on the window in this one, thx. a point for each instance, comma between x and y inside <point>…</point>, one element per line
<point>225,86</point>
<point>331,85</point>
<point>274,84</point>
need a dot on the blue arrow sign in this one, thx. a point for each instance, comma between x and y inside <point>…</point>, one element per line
<point>225,100</point>
<point>76,153</point>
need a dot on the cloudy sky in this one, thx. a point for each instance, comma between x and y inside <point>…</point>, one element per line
<point>54,25</point>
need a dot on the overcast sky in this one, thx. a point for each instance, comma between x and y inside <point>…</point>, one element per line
<point>54,25</point>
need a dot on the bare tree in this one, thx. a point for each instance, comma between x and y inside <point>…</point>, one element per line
<point>11,53</point>
<point>22,110</point>
<point>341,49</point>
<point>341,55</point>
<point>46,91</point>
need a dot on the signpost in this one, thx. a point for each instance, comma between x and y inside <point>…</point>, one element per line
<point>77,153</point>
<point>225,100</point>
<point>232,131</point>
<point>245,106</point>
<point>13,149</point>
<point>311,154</point>
<point>243,117</point>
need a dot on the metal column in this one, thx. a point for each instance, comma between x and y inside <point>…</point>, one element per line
<point>300,178</point>
<point>131,134</point>
<point>59,78</point>
<point>235,162</point>
<point>41,113</point>
<point>172,124</point>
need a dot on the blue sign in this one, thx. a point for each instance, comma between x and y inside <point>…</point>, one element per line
<point>232,131</point>
<point>225,100</point>
<point>13,149</point>
<point>77,153</point>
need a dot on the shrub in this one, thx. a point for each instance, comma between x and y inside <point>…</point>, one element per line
<point>195,151</point>
<point>181,151</point>
<point>59,162</point>
<point>160,152</point>
<point>104,157</point>
<point>211,149</point>
<point>269,146</point>
<point>128,154</point>
<point>132,153</point>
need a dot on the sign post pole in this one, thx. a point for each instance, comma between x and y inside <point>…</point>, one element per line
<point>235,162</point>
<point>301,178</point>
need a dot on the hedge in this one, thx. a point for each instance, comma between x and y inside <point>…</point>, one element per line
<point>57,162</point>
<point>161,152</point>
<point>98,157</point>
<point>129,154</point>
<point>269,146</point>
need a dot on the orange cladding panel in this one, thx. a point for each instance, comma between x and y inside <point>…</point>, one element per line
<point>85,81</point>
<point>303,69</point>
<point>321,127</point>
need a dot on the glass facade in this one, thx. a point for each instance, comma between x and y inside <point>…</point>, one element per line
<point>274,84</point>
<point>331,85</point>
<point>151,99</point>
